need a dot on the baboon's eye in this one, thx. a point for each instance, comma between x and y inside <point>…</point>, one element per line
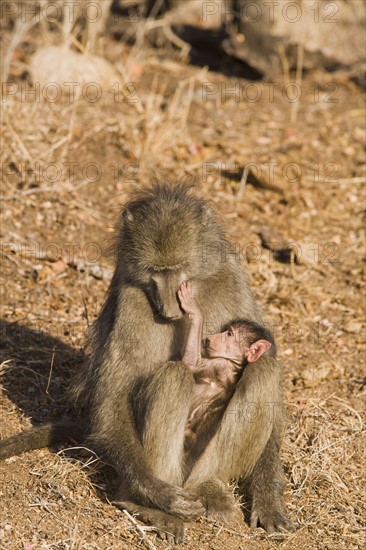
<point>153,285</point>
<point>229,332</point>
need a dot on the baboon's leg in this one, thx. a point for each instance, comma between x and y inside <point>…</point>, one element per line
<point>244,429</point>
<point>266,486</point>
<point>124,365</point>
<point>164,402</point>
<point>247,445</point>
<point>246,440</point>
<point>161,409</point>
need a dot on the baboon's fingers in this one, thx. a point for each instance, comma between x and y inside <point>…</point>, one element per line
<point>220,503</point>
<point>278,521</point>
<point>286,525</point>
<point>168,527</point>
<point>254,520</point>
<point>172,532</point>
<point>269,527</point>
<point>266,523</point>
<point>186,506</point>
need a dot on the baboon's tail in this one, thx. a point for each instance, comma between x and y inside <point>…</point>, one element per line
<point>42,436</point>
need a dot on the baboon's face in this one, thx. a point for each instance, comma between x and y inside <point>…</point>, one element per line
<point>163,291</point>
<point>167,240</point>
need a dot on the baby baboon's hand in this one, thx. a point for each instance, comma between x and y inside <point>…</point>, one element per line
<point>187,301</point>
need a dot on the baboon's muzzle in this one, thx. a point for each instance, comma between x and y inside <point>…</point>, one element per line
<point>166,296</point>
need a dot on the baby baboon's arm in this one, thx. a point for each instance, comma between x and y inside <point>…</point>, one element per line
<point>192,353</point>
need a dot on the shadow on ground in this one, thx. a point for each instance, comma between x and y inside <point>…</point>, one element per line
<point>38,371</point>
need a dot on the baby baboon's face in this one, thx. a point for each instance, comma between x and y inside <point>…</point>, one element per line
<point>226,344</point>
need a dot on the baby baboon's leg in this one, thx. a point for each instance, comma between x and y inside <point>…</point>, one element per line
<point>165,402</point>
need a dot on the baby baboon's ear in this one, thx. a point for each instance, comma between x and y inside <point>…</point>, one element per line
<point>257,349</point>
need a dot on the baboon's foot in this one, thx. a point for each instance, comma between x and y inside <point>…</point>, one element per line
<point>220,503</point>
<point>168,527</point>
<point>272,516</point>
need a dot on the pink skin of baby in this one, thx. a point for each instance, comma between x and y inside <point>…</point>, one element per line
<point>226,346</point>
<point>215,376</point>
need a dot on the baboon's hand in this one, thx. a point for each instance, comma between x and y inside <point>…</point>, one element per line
<point>187,301</point>
<point>181,503</point>
<point>168,527</point>
<point>271,520</point>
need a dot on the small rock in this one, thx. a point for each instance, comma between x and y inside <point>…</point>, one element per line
<point>100,273</point>
<point>59,267</point>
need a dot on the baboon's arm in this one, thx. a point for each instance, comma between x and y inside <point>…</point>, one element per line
<point>131,462</point>
<point>115,425</point>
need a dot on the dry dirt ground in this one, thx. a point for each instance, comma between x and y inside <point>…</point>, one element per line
<point>67,169</point>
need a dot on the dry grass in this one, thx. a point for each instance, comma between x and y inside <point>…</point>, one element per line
<point>54,501</point>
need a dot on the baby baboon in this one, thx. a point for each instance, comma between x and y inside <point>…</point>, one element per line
<point>216,375</point>
<point>137,394</point>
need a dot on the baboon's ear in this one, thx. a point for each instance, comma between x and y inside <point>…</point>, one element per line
<point>257,349</point>
<point>207,214</point>
<point>127,216</point>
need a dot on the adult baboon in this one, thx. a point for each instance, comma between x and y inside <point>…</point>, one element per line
<point>137,393</point>
<point>166,236</point>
